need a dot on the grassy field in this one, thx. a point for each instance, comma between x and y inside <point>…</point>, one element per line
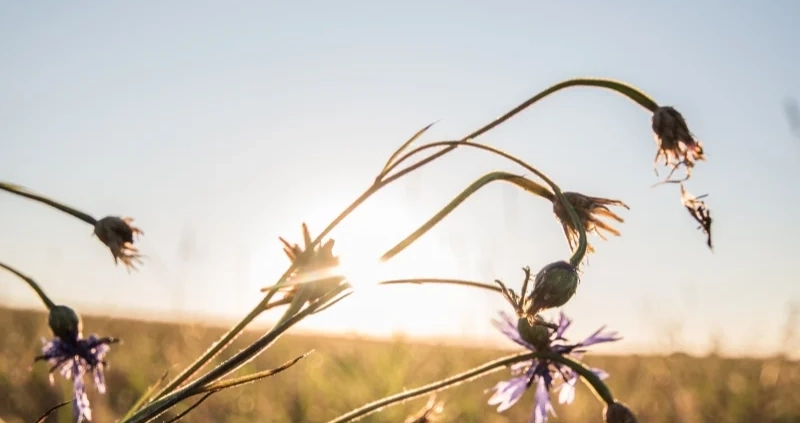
<point>345,373</point>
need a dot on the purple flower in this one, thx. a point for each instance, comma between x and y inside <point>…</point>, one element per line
<point>541,371</point>
<point>74,358</point>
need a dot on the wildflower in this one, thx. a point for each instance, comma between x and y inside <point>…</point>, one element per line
<point>675,142</point>
<point>73,358</point>
<point>618,413</point>
<point>430,413</point>
<point>543,372</point>
<point>589,211</point>
<point>699,211</point>
<point>316,271</point>
<point>118,235</point>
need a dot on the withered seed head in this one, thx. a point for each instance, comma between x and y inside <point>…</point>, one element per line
<point>118,235</point>
<point>618,413</point>
<point>675,142</point>
<point>699,212</point>
<point>320,261</point>
<point>589,211</point>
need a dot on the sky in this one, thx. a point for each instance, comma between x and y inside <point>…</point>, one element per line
<point>220,126</point>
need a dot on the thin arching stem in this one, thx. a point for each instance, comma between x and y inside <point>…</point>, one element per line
<point>633,93</point>
<point>598,386</point>
<point>527,184</point>
<point>33,285</point>
<point>580,252</point>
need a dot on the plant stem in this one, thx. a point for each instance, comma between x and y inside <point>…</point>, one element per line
<point>600,388</point>
<point>460,198</point>
<point>580,252</point>
<point>422,281</point>
<point>157,407</point>
<point>33,285</point>
<point>633,93</point>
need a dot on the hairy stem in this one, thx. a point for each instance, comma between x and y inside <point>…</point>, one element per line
<point>33,285</point>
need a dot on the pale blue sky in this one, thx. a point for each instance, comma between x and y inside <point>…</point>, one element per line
<point>236,121</point>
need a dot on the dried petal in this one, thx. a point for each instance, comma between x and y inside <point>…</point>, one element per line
<point>699,212</point>
<point>589,211</point>
<point>118,235</point>
<point>675,142</point>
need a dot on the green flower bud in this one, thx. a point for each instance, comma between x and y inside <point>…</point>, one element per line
<point>553,286</point>
<point>618,413</point>
<point>65,322</point>
<point>536,335</point>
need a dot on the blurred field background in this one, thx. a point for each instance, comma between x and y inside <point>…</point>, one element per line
<point>343,374</point>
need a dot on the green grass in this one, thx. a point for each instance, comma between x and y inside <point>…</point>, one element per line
<point>345,373</point>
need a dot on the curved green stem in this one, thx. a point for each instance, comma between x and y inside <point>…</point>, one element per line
<point>423,281</point>
<point>490,367</point>
<point>23,192</point>
<point>34,286</point>
<point>520,181</point>
<point>580,252</point>
<point>633,93</point>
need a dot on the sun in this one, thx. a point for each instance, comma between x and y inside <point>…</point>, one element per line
<point>360,241</point>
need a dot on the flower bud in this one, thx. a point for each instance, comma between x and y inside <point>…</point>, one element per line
<point>65,323</point>
<point>618,413</point>
<point>536,335</point>
<point>553,286</point>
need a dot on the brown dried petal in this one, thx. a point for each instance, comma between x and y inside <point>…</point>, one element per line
<point>118,235</point>
<point>589,211</point>
<point>699,212</point>
<point>675,142</point>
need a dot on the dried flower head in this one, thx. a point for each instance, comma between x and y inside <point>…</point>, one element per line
<point>544,372</point>
<point>618,413</point>
<point>317,271</point>
<point>699,212</point>
<point>73,358</point>
<point>118,235</point>
<point>430,413</point>
<point>589,211</point>
<point>675,142</point>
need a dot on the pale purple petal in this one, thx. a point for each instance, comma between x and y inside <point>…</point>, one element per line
<point>542,405</point>
<point>567,390</point>
<point>563,324</point>
<point>507,393</point>
<point>599,337</point>
<point>509,328</point>
<point>99,380</point>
